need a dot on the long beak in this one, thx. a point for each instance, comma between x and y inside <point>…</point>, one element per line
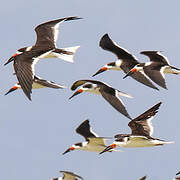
<point>76,93</point>
<point>68,150</point>
<point>12,89</point>
<point>108,148</point>
<point>100,71</point>
<point>129,74</point>
<point>10,60</point>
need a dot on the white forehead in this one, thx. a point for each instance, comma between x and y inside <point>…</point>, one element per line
<point>148,63</point>
<point>19,52</point>
<point>29,48</point>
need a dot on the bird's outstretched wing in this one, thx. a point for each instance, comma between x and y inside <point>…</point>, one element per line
<point>141,125</point>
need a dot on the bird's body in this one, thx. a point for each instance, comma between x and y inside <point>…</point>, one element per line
<point>109,94</point>
<point>93,143</point>
<point>141,135</point>
<point>45,47</point>
<point>138,141</point>
<point>156,68</point>
<point>67,175</point>
<point>125,62</point>
<point>37,84</point>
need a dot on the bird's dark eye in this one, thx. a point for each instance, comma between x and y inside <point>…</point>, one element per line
<point>88,86</point>
<point>120,140</point>
<point>55,178</point>
<point>140,65</point>
<point>111,64</point>
<point>22,49</point>
<point>79,144</point>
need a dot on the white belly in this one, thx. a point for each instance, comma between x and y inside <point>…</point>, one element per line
<point>37,86</point>
<point>117,69</point>
<point>51,55</point>
<point>93,148</point>
<point>141,142</point>
<point>94,91</point>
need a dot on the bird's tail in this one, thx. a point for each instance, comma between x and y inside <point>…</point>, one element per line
<point>169,142</point>
<point>175,70</point>
<point>164,142</point>
<point>120,93</point>
<point>66,54</point>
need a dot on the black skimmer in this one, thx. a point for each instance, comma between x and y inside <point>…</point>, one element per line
<point>143,178</point>
<point>45,47</point>
<point>93,143</point>
<point>141,135</point>
<point>156,68</point>
<point>108,93</point>
<point>125,62</point>
<point>68,176</point>
<point>37,84</point>
<point>47,35</point>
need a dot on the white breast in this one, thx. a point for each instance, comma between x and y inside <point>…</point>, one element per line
<point>93,148</point>
<point>94,90</point>
<point>37,86</point>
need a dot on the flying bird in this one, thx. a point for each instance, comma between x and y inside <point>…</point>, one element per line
<point>45,47</point>
<point>93,142</point>
<point>125,62</point>
<point>141,132</point>
<point>156,68</point>
<point>110,94</point>
<point>37,84</point>
<point>68,176</point>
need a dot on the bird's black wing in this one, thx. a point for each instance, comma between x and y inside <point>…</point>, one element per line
<point>47,33</point>
<point>84,129</point>
<point>70,175</point>
<point>108,44</point>
<point>155,56</point>
<point>141,125</point>
<point>143,178</point>
<point>110,95</point>
<point>155,74</point>
<point>25,75</point>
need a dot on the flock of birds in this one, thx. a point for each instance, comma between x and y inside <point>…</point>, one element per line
<point>24,61</point>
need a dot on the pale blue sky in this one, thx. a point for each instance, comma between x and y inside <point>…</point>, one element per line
<point>34,134</point>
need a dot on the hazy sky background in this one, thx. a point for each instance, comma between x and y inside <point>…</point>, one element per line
<point>33,135</point>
